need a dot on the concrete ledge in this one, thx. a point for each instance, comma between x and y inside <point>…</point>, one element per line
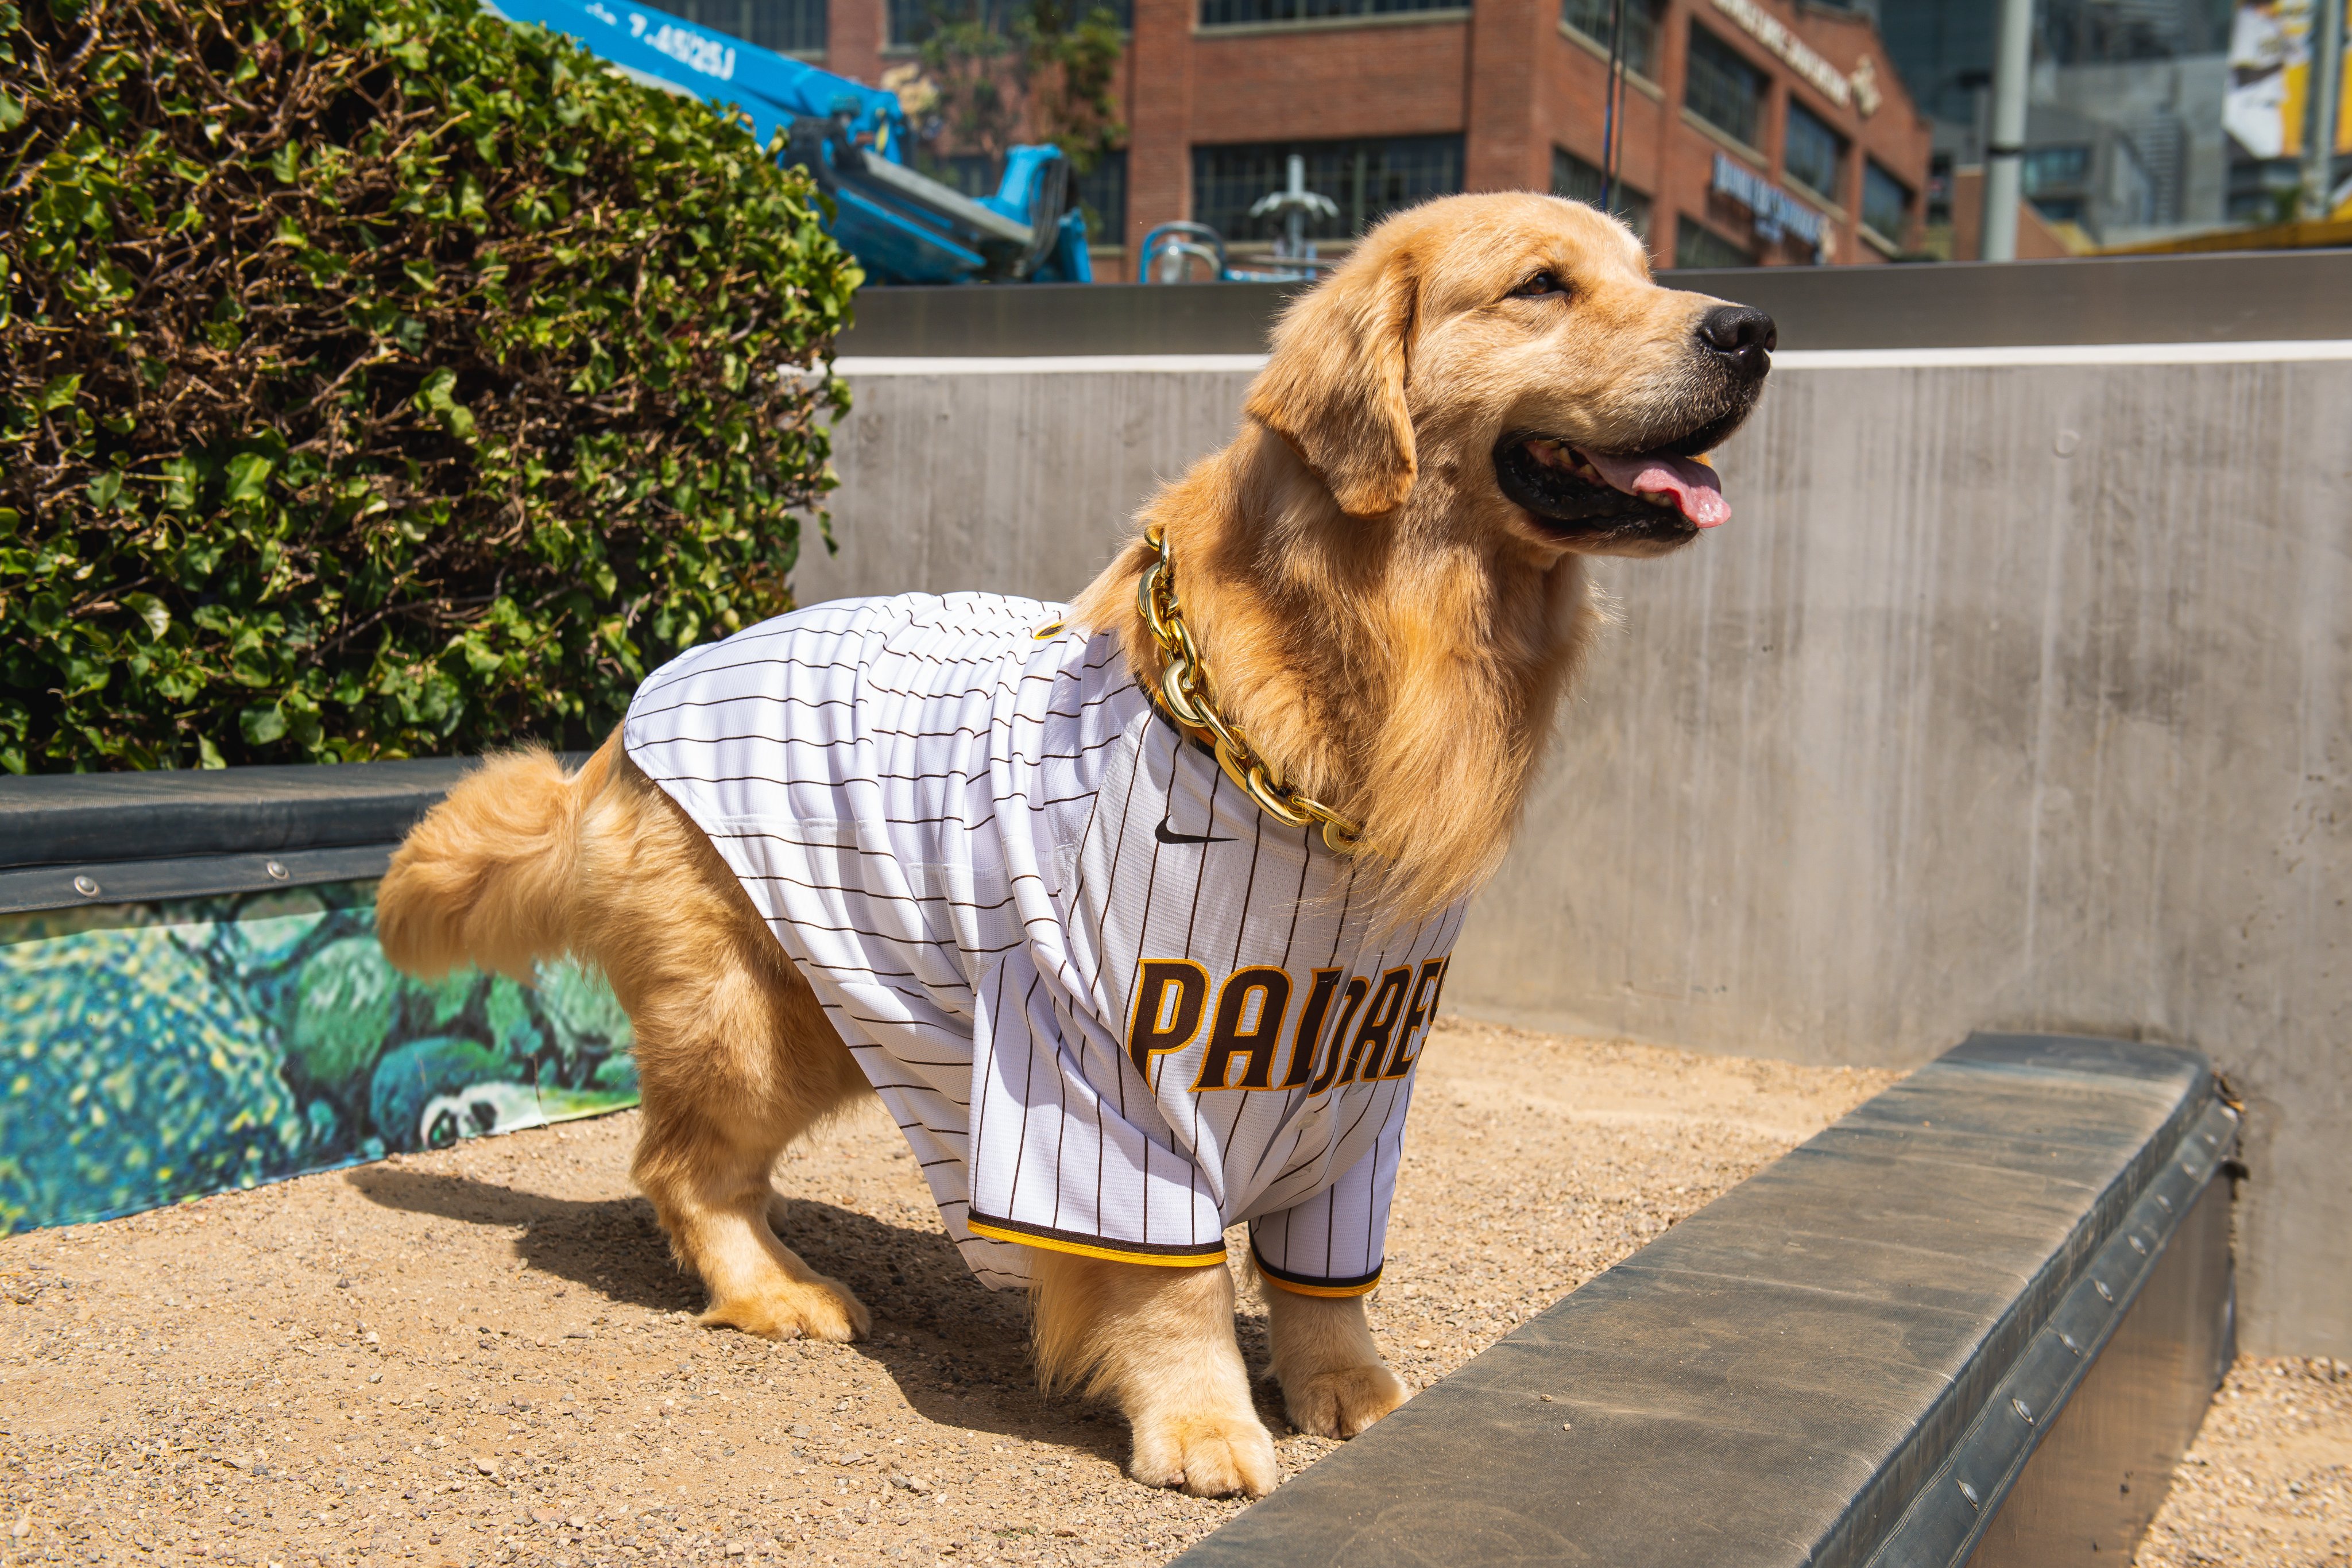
<point>1853,1358</point>
<point>2234,298</point>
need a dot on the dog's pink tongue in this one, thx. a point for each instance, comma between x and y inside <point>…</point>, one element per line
<point>1692,485</point>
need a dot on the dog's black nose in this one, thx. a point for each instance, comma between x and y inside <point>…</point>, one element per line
<point>1743,335</point>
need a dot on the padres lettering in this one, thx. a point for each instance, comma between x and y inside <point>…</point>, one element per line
<point>1373,1037</point>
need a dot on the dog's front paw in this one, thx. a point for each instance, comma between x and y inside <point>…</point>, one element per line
<point>795,1308</point>
<point>1343,1401</point>
<point>1207,1454</point>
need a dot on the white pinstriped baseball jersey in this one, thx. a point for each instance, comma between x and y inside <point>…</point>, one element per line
<point>1115,1008</point>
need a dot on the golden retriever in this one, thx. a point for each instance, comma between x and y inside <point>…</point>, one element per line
<point>1385,572</point>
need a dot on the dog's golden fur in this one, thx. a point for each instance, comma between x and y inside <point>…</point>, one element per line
<point>1387,627</point>
<point>1392,631</point>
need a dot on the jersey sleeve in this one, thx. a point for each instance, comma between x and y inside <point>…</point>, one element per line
<point>1333,1244</point>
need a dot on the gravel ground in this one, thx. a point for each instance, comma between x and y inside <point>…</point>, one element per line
<point>2269,1480</point>
<point>484,1355</point>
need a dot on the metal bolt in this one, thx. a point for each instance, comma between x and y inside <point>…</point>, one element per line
<point>2105,1294</point>
<point>86,887</point>
<point>2164,1202</point>
<point>1970,1492</point>
<point>2068,1341</point>
<point>2019,1405</point>
<point>276,871</point>
<point>2137,1245</point>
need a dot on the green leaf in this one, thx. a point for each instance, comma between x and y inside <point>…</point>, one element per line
<point>149,610</point>
<point>260,726</point>
<point>437,397</point>
<point>249,477</point>
<point>180,478</point>
<point>60,392</point>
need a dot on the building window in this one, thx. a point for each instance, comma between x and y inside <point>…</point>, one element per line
<point>912,21</point>
<point>1581,182</point>
<point>1369,180</point>
<point>2057,182</point>
<point>1592,19</point>
<point>1102,193</point>
<point>2263,189</point>
<point>1814,155</point>
<point>787,27</point>
<point>1254,13</point>
<point>1722,88</point>
<point>2045,170</point>
<point>1885,203</point>
<point>1939,190</point>
<point>1695,245</point>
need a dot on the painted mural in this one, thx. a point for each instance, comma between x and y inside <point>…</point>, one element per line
<point>155,1053</point>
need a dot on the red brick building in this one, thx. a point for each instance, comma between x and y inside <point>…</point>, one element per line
<point>1754,131</point>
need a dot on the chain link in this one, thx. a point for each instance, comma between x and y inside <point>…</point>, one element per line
<point>1190,697</point>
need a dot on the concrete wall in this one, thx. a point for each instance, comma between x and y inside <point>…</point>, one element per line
<point>2018,693</point>
<point>1017,482</point>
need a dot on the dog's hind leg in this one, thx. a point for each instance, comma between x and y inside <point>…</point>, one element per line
<point>735,1059</point>
<point>710,1185</point>
<point>1158,1342</point>
<point>729,1077</point>
<point>1334,1382</point>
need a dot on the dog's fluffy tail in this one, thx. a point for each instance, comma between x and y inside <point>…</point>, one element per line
<point>490,876</point>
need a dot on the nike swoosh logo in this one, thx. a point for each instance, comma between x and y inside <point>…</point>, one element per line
<point>1168,835</point>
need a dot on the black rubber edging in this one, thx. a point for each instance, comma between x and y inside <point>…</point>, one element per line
<point>2234,298</point>
<point>1815,1369</point>
<point>69,839</point>
<point>31,888</point>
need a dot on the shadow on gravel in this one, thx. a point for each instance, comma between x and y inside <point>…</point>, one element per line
<point>964,1360</point>
<point>611,1245</point>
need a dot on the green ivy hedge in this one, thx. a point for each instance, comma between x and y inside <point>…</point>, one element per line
<point>377,379</point>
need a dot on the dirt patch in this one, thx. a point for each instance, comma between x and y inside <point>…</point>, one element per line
<point>483,1354</point>
<point>2268,1483</point>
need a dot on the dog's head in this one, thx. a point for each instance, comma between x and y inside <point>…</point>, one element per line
<point>1515,346</point>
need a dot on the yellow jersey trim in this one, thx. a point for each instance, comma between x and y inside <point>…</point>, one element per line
<point>1095,1249</point>
<point>1364,1289</point>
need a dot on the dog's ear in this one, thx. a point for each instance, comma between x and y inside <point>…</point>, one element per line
<point>1334,387</point>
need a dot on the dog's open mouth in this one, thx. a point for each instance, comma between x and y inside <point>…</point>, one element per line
<point>1656,494</point>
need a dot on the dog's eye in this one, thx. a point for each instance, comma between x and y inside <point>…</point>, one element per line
<point>1537,285</point>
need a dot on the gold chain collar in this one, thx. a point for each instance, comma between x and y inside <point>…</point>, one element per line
<point>1189,696</point>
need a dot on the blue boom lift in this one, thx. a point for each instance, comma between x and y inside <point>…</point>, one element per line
<point>903,226</point>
